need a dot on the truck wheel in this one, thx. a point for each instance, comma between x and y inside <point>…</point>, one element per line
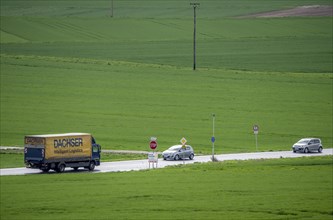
<point>61,168</point>
<point>91,166</point>
<point>320,149</point>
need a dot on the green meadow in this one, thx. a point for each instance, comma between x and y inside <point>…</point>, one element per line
<point>124,108</point>
<point>67,66</point>
<point>265,189</point>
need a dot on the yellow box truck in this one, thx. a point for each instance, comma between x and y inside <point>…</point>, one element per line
<point>58,151</point>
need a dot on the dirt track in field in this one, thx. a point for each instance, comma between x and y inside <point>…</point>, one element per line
<point>301,11</point>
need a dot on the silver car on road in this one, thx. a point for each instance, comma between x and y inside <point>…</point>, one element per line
<point>307,145</point>
<point>178,152</point>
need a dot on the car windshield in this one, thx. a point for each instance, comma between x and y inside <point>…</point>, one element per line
<point>303,141</point>
<point>174,148</point>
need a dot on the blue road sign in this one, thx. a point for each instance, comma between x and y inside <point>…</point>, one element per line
<point>213,139</point>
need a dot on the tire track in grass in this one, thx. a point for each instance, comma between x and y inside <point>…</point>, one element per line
<point>81,30</point>
<point>73,30</point>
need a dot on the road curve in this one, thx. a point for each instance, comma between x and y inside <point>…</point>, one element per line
<point>132,165</point>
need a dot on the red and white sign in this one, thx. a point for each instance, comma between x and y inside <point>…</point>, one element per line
<point>153,145</point>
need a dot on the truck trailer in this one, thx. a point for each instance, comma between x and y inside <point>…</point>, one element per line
<point>58,151</point>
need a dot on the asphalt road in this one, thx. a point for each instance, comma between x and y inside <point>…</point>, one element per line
<point>122,166</point>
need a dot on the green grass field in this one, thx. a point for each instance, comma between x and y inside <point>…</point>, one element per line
<point>123,107</point>
<point>265,189</point>
<point>11,159</point>
<point>274,45</point>
<point>69,67</point>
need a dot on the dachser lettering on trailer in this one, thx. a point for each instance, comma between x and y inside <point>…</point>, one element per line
<point>34,141</point>
<point>68,142</point>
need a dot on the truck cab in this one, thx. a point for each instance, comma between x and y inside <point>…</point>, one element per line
<point>96,151</point>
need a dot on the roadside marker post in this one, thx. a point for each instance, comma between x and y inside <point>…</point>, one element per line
<point>183,142</point>
<point>256,131</point>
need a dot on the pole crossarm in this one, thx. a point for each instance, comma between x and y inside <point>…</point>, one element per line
<point>194,4</point>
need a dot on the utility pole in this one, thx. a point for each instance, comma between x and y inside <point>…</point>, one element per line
<point>111,9</point>
<point>195,5</point>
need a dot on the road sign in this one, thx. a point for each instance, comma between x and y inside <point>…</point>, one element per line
<point>213,139</point>
<point>183,141</point>
<point>153,158</point>
<point>153,145</point>
<point>255,129</point>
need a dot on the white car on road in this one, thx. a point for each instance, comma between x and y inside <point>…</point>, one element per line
<point>307,145</point>
<point>178,152</point>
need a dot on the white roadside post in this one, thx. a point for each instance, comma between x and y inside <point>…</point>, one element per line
<point>256,131</point>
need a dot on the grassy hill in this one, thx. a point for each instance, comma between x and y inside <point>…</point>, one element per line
<point>68,66</point>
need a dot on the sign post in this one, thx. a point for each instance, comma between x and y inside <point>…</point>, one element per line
<point>213,137</point>
<point>183,142</point>
<point>153,156</point>
<point>256,131</point>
